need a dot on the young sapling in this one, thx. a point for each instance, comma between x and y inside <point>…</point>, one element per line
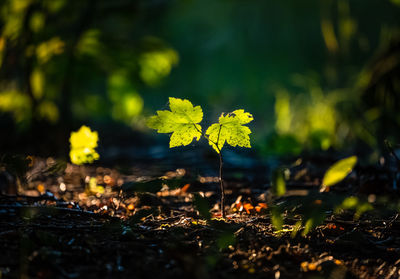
<point>182,120</point>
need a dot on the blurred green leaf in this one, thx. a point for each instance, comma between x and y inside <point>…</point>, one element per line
<point>277,218</point>
<point>316,218</point>
<point>338,171</point>
<point>354,203</point>
<point>278,182</point>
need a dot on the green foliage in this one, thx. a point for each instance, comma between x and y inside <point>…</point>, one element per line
<point>278,182</point>
<point>83,144</point>
<point>277,218</point>
<point>316,217</point>
<point>155,65</point>
<point>182,121</point>
<point>230,129</point>
<point>311,210</point>
<point>338,171</point>
<point>127,103</point>
<point>354,203</point>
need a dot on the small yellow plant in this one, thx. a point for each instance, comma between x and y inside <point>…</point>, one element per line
<point>83,144</point>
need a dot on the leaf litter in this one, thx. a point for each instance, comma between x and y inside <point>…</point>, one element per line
<point>61,225</point>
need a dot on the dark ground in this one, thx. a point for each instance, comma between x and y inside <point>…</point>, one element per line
<point>141,221</point>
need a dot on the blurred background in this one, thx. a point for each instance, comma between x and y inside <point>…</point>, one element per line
<point>317,75</point>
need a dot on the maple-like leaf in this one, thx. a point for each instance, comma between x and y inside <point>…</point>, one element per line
<point>230,128</point>
<point>182,121</point>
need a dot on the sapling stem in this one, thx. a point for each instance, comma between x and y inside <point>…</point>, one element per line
<point>221,162</point>
<point>221,181</point>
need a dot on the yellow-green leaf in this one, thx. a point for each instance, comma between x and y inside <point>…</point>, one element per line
<point>182,121</point>
<point>277,218</point>
<point>278,182</point>
<point>338,171</point>
<point>83,144</point>
<point>230,129</point>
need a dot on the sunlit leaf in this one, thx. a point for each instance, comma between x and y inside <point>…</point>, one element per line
<point>83,144</point>
<point>338,171</point>
<point>182,121</point>
<point>248,207</point>
<point>230,129</point>
<point>261,207</point>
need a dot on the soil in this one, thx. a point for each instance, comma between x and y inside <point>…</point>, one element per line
<point>150,220</point>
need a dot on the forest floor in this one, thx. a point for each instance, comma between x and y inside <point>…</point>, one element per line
<point>143,222</point>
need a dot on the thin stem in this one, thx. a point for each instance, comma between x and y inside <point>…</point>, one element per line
<point>221,162</point>
<point>221,181</point>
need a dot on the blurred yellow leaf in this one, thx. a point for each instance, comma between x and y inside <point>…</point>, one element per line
<point>46,50</point>
<point>37,22</point>
<point>83,144</point>
<point>338,171</point>
<point>49,111</point>
<point>94,188</point>
<point>37,83</point>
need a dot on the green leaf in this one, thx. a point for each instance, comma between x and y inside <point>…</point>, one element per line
<point>353,203</point>
<point>278,182</point>
<point>230,129</point>
<point>338,171</point>
<point>181,121</point>
<point>277,218</point>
